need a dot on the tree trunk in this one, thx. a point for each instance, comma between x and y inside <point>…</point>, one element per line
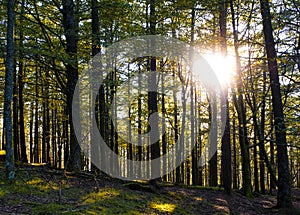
<point>176,133</point>
<point>213,162</point>
<point>284,186</point>
<point>36,120</point>
<point>163,110</point>
<point>15,118</point>
<point>256,182</point>
<point>241,111</point>
<point>69,23</point>
<point>235,175</point>
<point>44,124</point>
<point>8,91</point>
<point>53,136</point>
<point>152,98</point>
<point>262,137</point>
<point>226,148</point>
<point>31,134</point>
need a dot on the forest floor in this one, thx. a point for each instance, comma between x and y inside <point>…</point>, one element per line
<point>42,190</point>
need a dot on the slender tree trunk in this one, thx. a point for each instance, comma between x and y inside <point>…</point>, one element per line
<point>36,119</point>
<point>213,162</point>
<point>129,147</point>
<point>199,141</point>
<point>272,152</point>
<point>256,182</point>
<point>284,184</point>
<point>53,136</point>
<point>235,175</point>
<point>164,137</point>
<point>100,102</point>
<point>262,137</point>
<point>47,128</point>
<point>8,91</point>
<point>31,134</point>
<point>44,125</point>
<point>176,133</point>
<point>152,98</point>
<point>66,137</point>
<point>226,148</point>
<point>15,117</point>
<point>241,111</point>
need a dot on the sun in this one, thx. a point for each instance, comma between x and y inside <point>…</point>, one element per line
<point>223,68</point>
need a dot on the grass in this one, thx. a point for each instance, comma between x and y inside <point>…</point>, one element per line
<point>38,190</point>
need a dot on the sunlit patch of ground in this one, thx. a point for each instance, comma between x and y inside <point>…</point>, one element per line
<point>163,207</point>
<point>41,190</point>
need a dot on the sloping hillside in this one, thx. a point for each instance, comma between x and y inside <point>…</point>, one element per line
<point>40,190</point>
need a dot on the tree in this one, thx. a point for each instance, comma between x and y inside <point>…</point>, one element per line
<point>8,91</point>
<point>152,96</point>
<point>241,112</point>
<point>284,186</point>
<point>70,25</point>
<point>226,148</point>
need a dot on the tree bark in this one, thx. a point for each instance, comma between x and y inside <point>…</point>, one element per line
<point>284,186</point>
<point>15,117</point>
<point>69,23</point>
<point>152,98</point>
<point>8,91</point>
<point>226,171</point>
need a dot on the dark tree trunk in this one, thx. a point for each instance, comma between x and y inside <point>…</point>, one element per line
<point>284,186</point>
<point>15,117</point>
<point>193,110</point>
<point>130,148</point>
<point>213,171</point>
<point>66,139</point>
<point>152,98</point>
<point>47,128</point>
<point>94,150</point>
<point>31,134</point>
<point>69,23</point>
<point>44,126</point>
<point>139,148</point>
<point>176,134</point>
<point>164,137</point>
<point>235,175</point>
<point>256,182</point>
<point>213,162</point>
<point>226,171</point>
<point>53,136</point>
<point>36,120</point>
<point>199,141</point>
<point>8,91</point>
<point>262,137</point>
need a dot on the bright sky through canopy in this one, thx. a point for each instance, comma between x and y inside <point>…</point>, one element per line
<point>223,67</point>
